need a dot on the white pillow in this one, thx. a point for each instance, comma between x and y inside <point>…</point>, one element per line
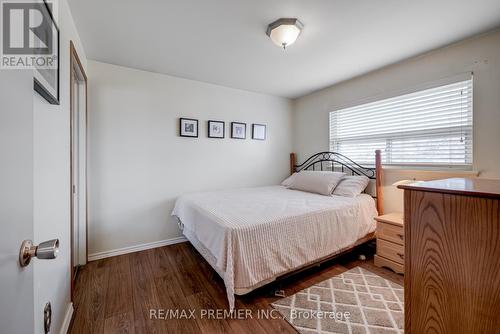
<point>288,181</point>
<point>321,183</point>
<point>351,186</point>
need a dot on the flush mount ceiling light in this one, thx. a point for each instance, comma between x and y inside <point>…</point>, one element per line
<point>284,32</point>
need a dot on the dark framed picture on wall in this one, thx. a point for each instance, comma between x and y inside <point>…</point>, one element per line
<point>216,129</point>
<point>46,72</point>
<point>188,127</point>
<point>259,131</point>
<point>238,130</point>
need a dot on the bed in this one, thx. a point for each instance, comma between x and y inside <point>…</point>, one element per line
<point>253,236</point>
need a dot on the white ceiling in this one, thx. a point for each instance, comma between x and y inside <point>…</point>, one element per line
<point>224,41</point>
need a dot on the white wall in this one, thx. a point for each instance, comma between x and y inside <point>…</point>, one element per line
<point>138,165</point>
<point>480,55</point>
<point>52,183</point>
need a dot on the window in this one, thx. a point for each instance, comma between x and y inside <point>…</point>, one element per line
<point>431,127</point>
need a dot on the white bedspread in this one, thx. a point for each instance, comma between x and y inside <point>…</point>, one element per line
<point>256,234</point>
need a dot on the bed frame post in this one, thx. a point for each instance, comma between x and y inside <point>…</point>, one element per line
<point>292,163</point>
<point>378,181</point>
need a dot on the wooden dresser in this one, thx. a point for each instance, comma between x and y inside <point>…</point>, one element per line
<point>390,242</point>
<point>452,256</point>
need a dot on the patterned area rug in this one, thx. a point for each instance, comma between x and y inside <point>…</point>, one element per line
<point>357,301</point>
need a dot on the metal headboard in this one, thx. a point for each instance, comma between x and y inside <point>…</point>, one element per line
<point>333,161</point>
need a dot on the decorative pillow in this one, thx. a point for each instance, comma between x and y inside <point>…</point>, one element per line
<point>351,186</point>
<point>321,183</point>
<point>288,181</point>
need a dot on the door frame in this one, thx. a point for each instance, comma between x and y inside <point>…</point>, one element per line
<point>75,62</point>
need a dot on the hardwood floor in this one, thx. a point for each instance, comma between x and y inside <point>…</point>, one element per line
<point>115,295</point>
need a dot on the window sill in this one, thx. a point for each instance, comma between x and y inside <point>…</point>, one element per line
<point>455,170</point>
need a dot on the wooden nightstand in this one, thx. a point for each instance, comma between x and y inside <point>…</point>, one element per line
<point>390,242</point>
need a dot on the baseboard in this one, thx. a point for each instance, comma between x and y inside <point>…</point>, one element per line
<point>67,319</point>
<point>136,248</point>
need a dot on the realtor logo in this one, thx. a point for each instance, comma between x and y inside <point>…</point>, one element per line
<point>29,35</point>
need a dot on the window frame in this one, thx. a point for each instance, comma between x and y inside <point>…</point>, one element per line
<point>415,165</point>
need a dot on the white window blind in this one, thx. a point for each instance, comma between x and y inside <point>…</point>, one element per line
<point>428,127</point>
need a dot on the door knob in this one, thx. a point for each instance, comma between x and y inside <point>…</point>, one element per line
<point>46,250</point>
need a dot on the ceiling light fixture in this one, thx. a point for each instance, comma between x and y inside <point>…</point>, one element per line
<point>284,32</point>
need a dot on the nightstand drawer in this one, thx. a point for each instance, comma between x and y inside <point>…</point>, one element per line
<point>390,251</point>
<point>390,232</point>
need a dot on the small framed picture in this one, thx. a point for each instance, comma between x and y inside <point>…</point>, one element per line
<point>216,129</point>
<point>188,127</point>
<point>259,131</point>
<point>238,130</point>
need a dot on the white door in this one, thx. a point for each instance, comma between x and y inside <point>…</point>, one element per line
<point>75,156</point>
<point>16,200</point>
<point>78,167</point>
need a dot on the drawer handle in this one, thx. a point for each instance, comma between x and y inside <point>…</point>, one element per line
<point>401,256</point>
<point>400,236</point>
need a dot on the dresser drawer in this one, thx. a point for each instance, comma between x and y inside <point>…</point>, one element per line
<point>390,232</point>
<point>390,251</point>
